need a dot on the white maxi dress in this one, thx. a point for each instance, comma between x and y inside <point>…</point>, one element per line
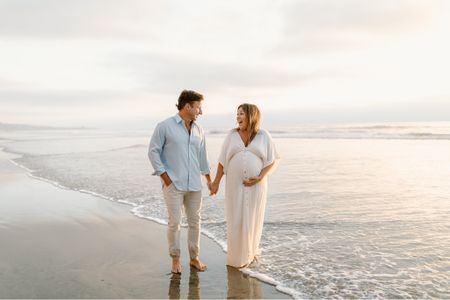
<point>245,206</point>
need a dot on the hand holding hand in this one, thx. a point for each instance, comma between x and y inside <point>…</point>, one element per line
<point>214,187</point>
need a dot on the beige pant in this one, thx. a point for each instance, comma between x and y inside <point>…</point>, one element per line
<point>192,202</point>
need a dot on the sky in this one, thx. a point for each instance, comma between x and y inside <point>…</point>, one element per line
<point>122,64</point>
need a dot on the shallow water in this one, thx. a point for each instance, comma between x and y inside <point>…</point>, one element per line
<point>353,211</point>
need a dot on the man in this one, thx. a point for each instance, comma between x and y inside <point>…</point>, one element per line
<point>178,154</point>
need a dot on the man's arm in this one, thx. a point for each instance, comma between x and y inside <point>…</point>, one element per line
<point>155,150</point>
<point>204,164</point>
<point>208,181</point>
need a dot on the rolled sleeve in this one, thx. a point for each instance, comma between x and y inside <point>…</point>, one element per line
<point>204,164</point>
<point>155,150</point>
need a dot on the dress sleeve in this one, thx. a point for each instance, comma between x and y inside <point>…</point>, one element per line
<point>224,155</point>
<point>272,155</point>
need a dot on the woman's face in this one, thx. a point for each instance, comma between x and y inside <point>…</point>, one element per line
<point>241,119</point>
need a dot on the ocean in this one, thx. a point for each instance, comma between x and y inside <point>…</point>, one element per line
<point>353,211</point>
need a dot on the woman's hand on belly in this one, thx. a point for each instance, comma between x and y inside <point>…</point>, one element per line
<point>252,180</point>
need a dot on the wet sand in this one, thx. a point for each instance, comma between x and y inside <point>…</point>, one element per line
<point>58,243</point>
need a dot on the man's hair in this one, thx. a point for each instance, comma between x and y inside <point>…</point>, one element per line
<point>188,96</point>
<point>253,118</point>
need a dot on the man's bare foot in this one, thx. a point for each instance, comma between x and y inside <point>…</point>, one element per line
<point>196,263</point>
<point>176,266</point>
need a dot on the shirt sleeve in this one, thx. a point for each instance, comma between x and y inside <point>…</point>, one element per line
<point>204,164</point>
<point>155,150</point>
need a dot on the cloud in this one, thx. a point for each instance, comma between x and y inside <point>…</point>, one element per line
<point>92,58</point>
<point>42,98</point>
<point>84,108</point>
<point>322,26</point>
<point>10,84</point>
<point>80,19</point>
<point>432,109</point>
<point>163,73</point>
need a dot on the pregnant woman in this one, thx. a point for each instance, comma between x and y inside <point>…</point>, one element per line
<point>248,154</point>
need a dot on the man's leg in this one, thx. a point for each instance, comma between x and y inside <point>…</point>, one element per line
<point>192,207</point>
<point>174,200</point>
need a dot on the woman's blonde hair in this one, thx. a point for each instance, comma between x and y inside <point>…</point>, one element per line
<point>253,118</point>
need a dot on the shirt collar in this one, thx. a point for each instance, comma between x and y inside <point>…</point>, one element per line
<point>179,120</point>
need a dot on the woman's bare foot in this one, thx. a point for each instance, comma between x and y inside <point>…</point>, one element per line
<point>176,266</point>
<point>196,263</point>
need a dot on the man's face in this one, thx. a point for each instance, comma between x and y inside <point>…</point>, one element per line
<point>194,109</point>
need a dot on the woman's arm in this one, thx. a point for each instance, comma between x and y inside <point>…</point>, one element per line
<point>215,184</point>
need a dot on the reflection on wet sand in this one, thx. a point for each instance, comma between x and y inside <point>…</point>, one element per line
<point>174,286</point>
<point>194,285</point>
<point>242,286</point>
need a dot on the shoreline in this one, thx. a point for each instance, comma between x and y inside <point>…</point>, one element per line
<point>86,247</point>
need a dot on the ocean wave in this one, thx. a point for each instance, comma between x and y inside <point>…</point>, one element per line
<point>68,153</point>
<point>428,135</point>
<point>378,127</point>
<point>137,146</point>
<point>11,151</point>
<point>278,286</point>
<point>358,136</point>
<point>137,212</point>
<point>29,172</point>
<point>376,131</point>
<point>216,131</point>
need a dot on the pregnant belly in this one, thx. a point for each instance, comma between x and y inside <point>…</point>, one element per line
<point>244,165</point>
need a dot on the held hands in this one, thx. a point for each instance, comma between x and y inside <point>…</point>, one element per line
<point>252,181</point>
<point>213,188</point>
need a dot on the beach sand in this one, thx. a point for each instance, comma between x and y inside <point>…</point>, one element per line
<point>58,243</point>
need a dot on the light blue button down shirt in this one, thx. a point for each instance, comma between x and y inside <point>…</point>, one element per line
<point>182,155</point>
